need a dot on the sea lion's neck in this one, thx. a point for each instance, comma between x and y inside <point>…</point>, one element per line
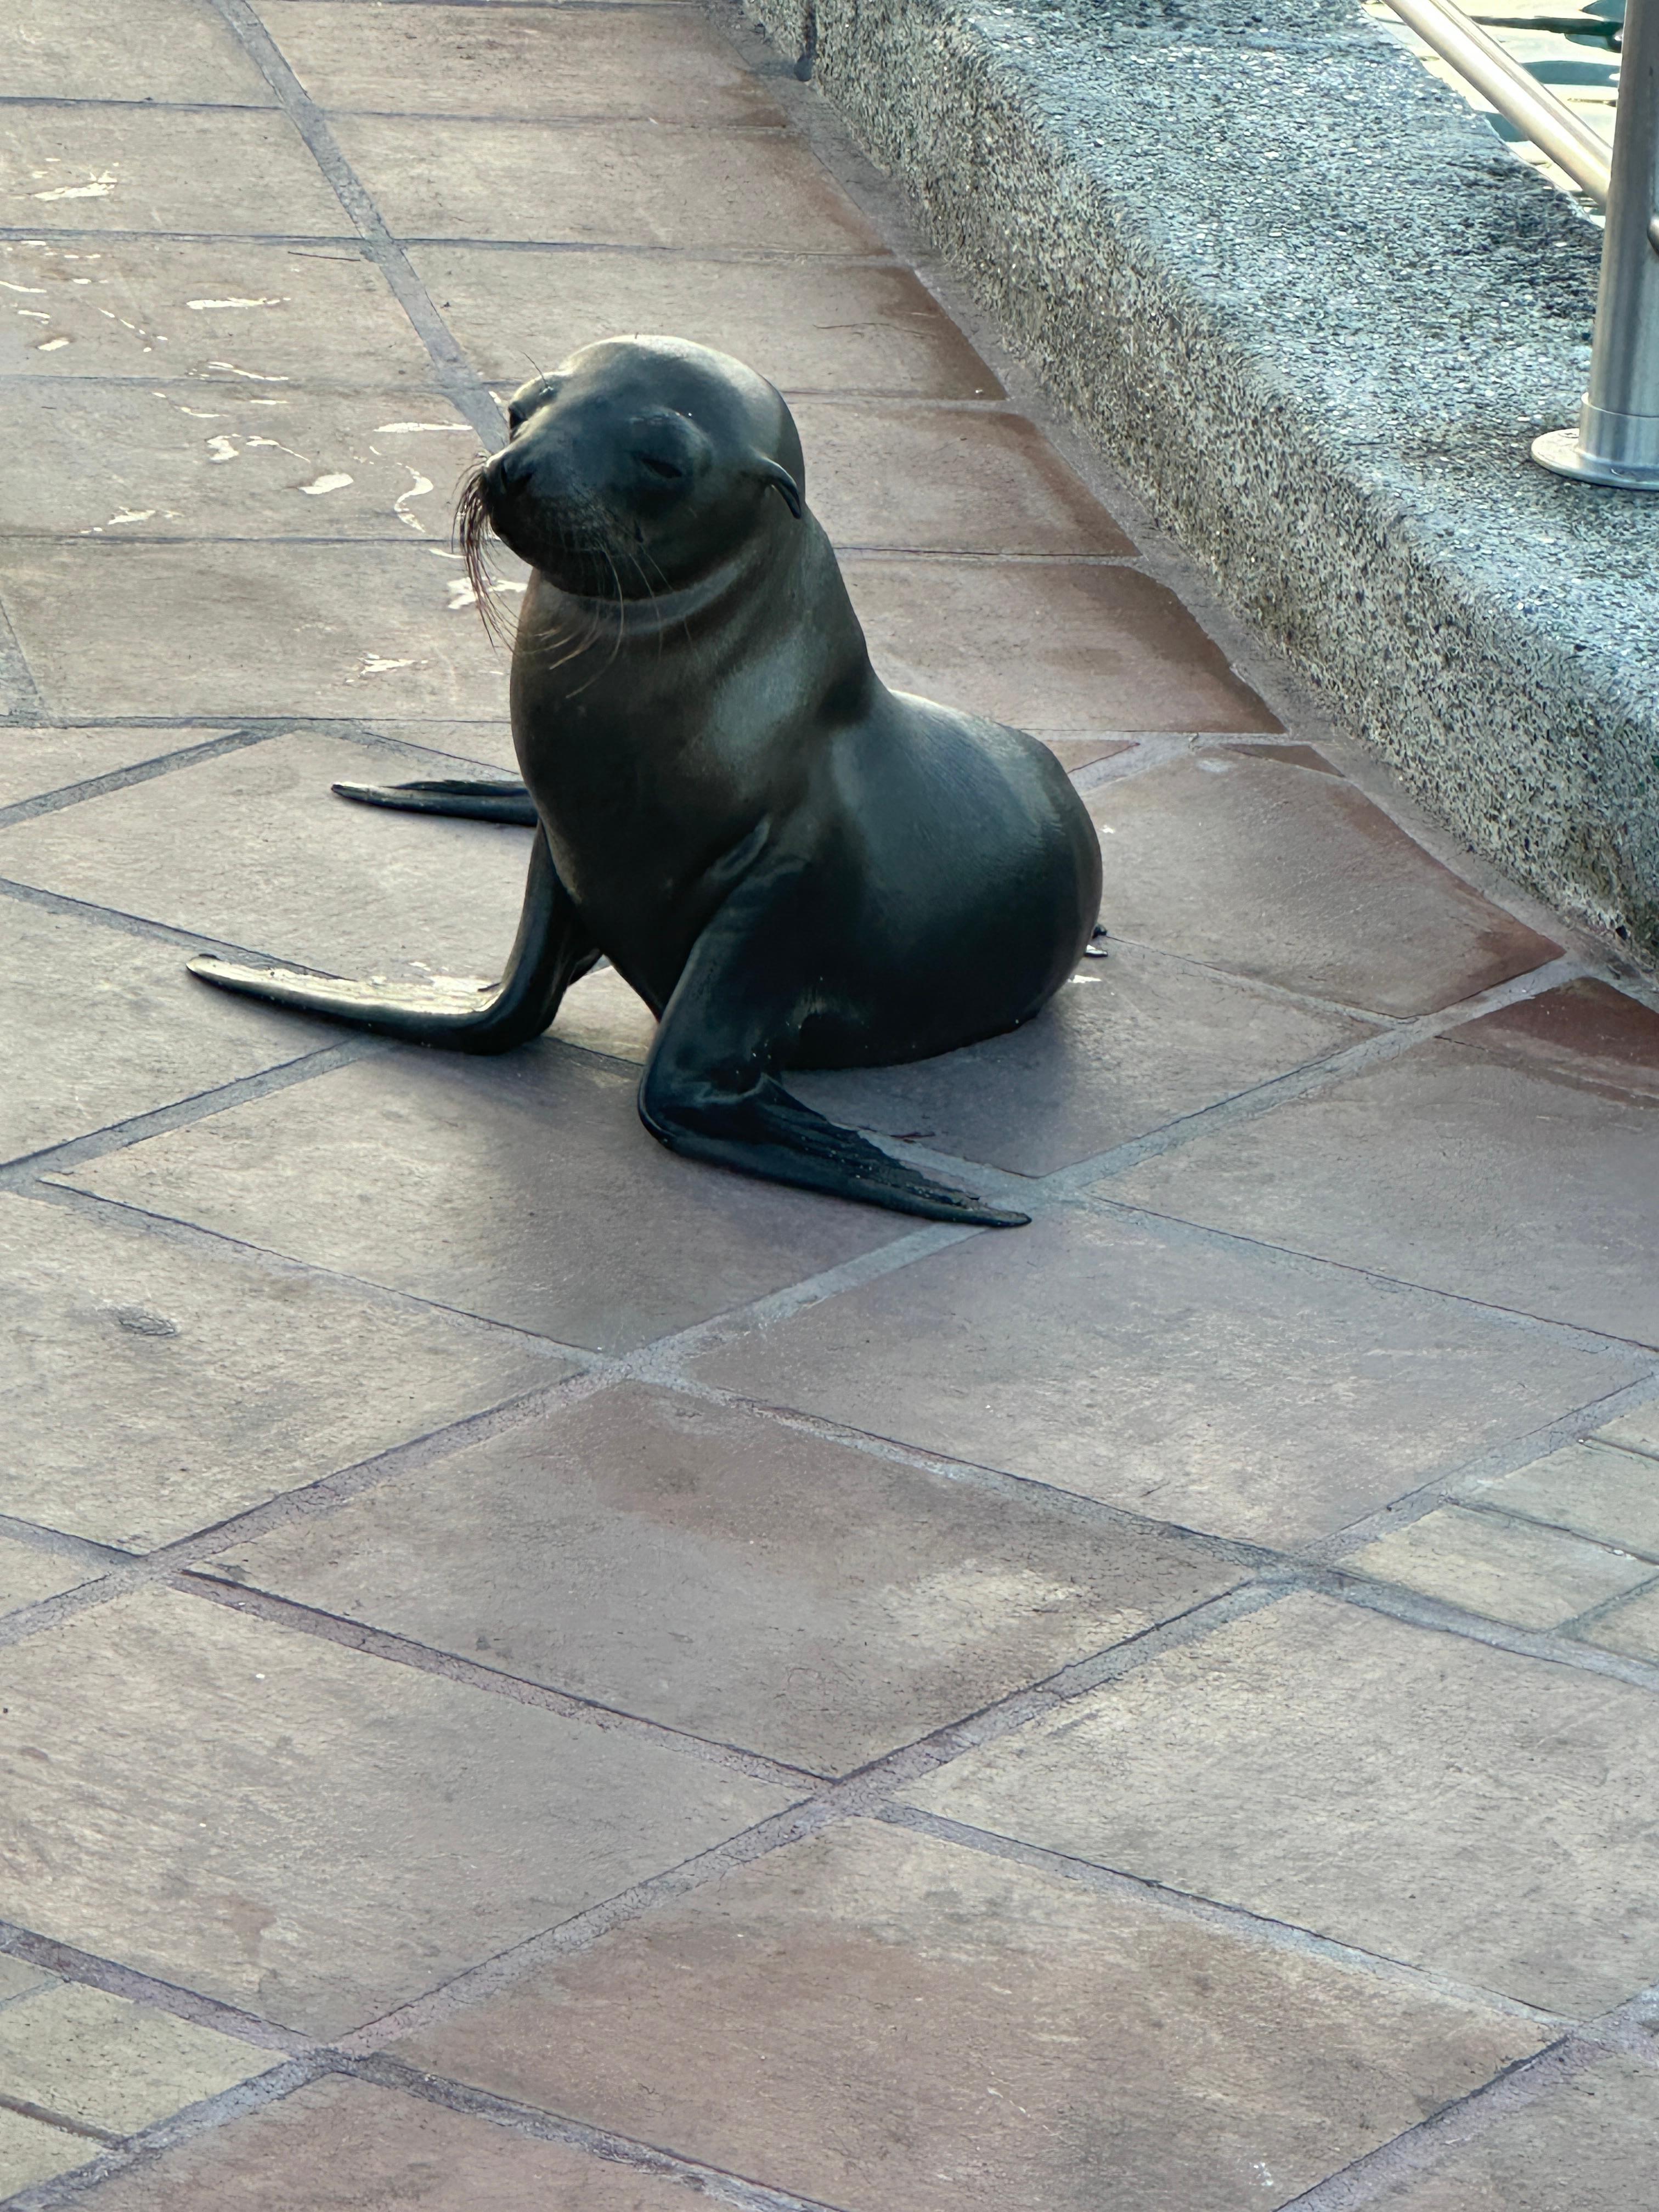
<point>645,618</point>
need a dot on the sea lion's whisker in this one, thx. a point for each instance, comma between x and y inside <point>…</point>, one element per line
<point>471,541</point>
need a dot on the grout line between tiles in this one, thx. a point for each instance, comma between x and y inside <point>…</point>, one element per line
<point>1315,1075</point>
<point>93,1204</point>
<point>456,378</point>
<point>582,1930</point>
<point>1293,1255</point>
<point>121,778</point>
<point>859,1792</point>
<point>399,1650</point>
<point>542,2126</point>
<point>189,757</point>
<point>1593,1615</point>
<point>1192,1906</point>
<point>589,120</point>
<point>1462,1484</point>
<point>59,1543</point>
<point>1439,1616</point>
<point>1379,2176</point>
<point>71,1963</point>
<point>364,246</point>
<point>1512,1516</point>
<point>21,1173</point>
<point>132,1571</point>
<point>137,2153</point>
<point>45,2117</point>
<point>135,924</point>
<point>19,696</point>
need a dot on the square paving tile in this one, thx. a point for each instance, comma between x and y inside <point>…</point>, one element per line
<point>104,2062</point>
<point>874,2019</point>
<point>254,848</point>
<point>1195,1382</point>
<point>664,63</point>
<point>1510,1184</point>
<point>261,629</point>
<point>100,1025</point>
<point>338,2146</point>
<point>152,1387</point>
<point>307,1832</point>
<point>1584,2146</point>
<point>1291,875</point>
<point>524,1190</point>
<point>1417,1794</point>
<point>173,460</point>
<point>1130,1042</point>
<point>1049,645</point>
<point>1509,1569</point>
<point>35,761</point>
<point>145,50</point>
<point>119,167</point>
<point>729,1576</point>
<point>606,184</point>
<point>30,2152</point>
<point>1592,1488</point>
<point>947,480</point>
<point>237,314</point>
<point>808,326</point>
<point>27,1576</point>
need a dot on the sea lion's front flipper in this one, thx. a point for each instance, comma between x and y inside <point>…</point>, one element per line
<point>710,1089</point>
<point>552,948</point>
<point>479,798</point>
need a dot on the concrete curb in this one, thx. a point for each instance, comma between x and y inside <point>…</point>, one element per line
<point>1314,312</point>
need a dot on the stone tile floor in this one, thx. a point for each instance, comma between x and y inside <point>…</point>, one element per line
<point>532,1673</point>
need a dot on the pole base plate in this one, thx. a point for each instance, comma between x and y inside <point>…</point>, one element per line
<point>1561,452</point>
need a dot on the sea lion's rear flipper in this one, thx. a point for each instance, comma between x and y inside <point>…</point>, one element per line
<point>710,1089</point>
<point>480,798</point>
<point>552,949</point>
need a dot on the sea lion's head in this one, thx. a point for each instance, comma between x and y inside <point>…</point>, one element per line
<point>636,466</point>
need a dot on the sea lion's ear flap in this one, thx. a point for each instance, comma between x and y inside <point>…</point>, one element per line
<point>774,472</point>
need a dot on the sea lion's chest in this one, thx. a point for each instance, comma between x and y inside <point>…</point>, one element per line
<point>642,803</point>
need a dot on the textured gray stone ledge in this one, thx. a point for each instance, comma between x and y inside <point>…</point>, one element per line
<point>1314,311</point>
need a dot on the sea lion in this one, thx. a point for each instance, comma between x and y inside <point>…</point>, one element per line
<point>792,865</point>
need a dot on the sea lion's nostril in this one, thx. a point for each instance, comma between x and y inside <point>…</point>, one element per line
<point>507,470</point>
<point>670,472</point>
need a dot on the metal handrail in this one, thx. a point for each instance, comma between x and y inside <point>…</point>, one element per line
<point>1513,90</point>
<point>1616,440</point>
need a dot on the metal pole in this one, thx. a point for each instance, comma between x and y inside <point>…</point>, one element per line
<point>1617,438</point>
